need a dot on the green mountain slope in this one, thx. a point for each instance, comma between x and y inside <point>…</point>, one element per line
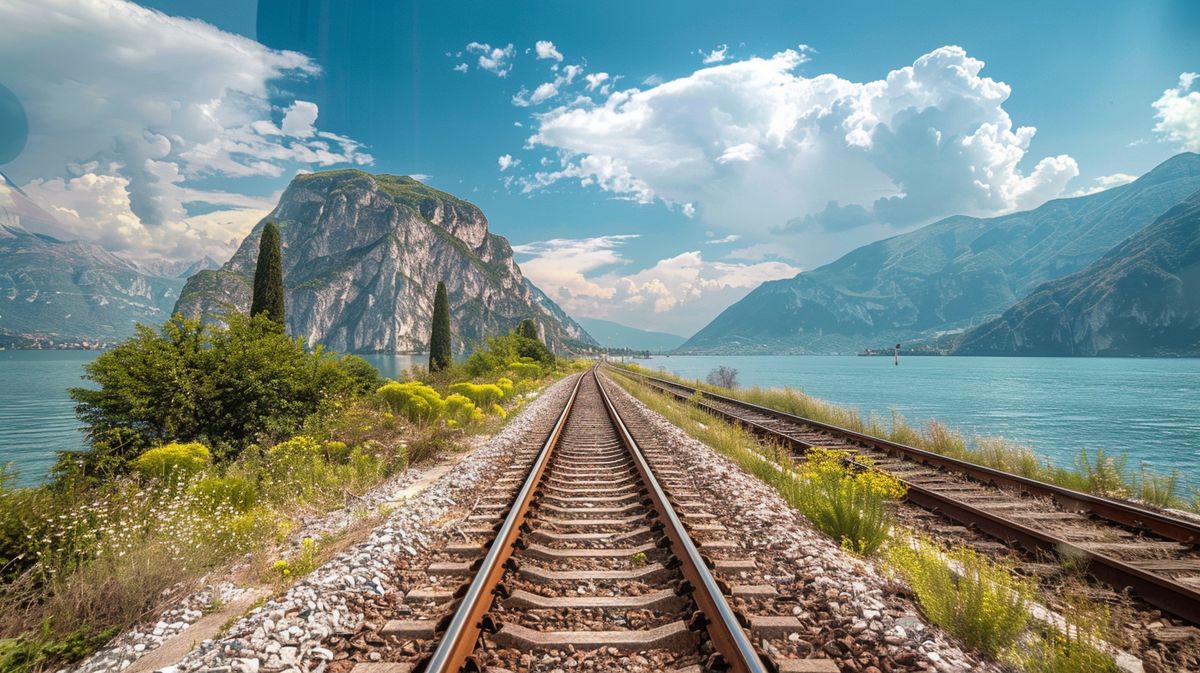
<point>949,276</point>
<point>615,335</point>
<point>1141,298</point>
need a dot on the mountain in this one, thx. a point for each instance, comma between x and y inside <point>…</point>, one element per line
<point>172,269</point>
<point>68,292</point>
<point>615,335</point>
<point>362,256</point>
<point>949,276</point>
<point>1140,298</point>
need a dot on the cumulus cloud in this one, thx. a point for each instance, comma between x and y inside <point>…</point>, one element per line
<point>546,49</point>
<point>1178,113</point>
<point>547,90</point>
<point>506,161</point>
<point>596,81</point>
<point>461,67</point>
<point>496,60</point>
<point>716,55</point>
<point>149,102</point>
<point>754,145</point>
<point>589,276</point>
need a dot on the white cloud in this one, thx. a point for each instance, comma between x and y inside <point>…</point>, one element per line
<point>96,207</point>
<point>716,55</point>
<point>496,60</point>
<point>461,67</point>
<point>144,102</point>
<point>1178,114</point>
<point>547,90</point>
<point>546,49</point>
<point>727,239</point>
<point>597,80</point>
<point>506,161</point>
<point>1105,182</point>
<point>683,292</point>
<point>754,145</point>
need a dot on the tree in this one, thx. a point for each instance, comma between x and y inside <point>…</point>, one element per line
<point>440,356</point>
<point>528,329</point>
<point>724,377</point>
<point>268,276</point>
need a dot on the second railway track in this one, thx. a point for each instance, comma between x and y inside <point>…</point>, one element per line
<point>1122,544</point>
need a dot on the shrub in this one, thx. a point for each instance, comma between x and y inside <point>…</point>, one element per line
<point>298,447</point>
<point>978,600</point>
<point>461,411</point>
<point>413,400</point>
<point>506,386</point>
<point>504,350</point>
<point>173,460</point>
<point>851,506</point>
<point>236,492</point>
<point>525,370</point>
<point>498,410</point>
<point>482,394</point>
<point>1075,649</point>
<point>723,377</point>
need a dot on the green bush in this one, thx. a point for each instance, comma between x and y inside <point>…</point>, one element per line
<point>482,394</point>
<point>525,370</point>
<point>978,600</point>
<point>226,387</point>
<point>173,460</point>
<point>851,506</point>
<point>461,411</point>
<point>504,350</point>
<point>413,400</point>
<point>506,386</point>
<point>233,491</point>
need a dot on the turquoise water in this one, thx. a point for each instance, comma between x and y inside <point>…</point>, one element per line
<point>1147,408</point>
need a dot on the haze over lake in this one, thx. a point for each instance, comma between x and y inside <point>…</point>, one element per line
<point>1145,407</point>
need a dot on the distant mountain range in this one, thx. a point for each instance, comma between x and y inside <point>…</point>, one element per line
<point>362,256</point>
<point>69,292</point>
<point>1141,298</point>
<point>615,335</point>
<point>948,277</point>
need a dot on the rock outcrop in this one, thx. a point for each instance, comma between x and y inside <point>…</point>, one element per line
<point>1141,298</point>
<point>362,256</point>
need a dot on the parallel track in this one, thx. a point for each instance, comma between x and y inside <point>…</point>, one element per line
<point>1123,545</point>
<point>590,543</point>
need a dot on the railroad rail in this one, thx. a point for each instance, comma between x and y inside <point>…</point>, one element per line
<point>589,542</point>
<point>1123,545</point>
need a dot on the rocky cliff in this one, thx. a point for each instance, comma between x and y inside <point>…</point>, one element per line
<point>1141,298</point>
<point>68,292</point>
<point>362,257</point>
<point>949,276</point>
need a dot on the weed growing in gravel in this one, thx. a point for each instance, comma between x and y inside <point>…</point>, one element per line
<point>976,599</point>
<point>1099,473</point>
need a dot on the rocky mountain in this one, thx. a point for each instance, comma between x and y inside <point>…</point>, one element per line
<point>946,277</point>
<point>1141,298</point>
<point>68,292</point>
<point>362,256</point>
<point>615,335</point>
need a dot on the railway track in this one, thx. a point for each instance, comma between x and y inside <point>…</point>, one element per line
<point>1124,545</point>
<point>590,550</point>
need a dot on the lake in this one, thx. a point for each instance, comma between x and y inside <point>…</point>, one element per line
<point>1146,407</point>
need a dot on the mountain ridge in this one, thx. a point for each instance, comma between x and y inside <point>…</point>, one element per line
<point>611,334</point>
<point>945,277</point>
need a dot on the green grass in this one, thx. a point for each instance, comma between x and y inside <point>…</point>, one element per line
<point>1096,472</point>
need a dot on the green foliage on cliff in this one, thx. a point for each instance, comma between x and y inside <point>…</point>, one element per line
<point>440,355</point>
<point>225,387</point>
<point>268,276</point>
<point>528,329</point>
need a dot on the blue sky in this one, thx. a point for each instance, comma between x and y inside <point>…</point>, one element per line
<point>724,147</point>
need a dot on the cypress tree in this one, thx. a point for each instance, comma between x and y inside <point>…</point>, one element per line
<point>528,329</point>
<point>439,341</point>
<point>268,276</point>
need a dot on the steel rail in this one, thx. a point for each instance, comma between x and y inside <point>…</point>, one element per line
<point>723,626</point>
<point>464,628</point>
<point>1158,590</point>
<point>1125,513</point>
